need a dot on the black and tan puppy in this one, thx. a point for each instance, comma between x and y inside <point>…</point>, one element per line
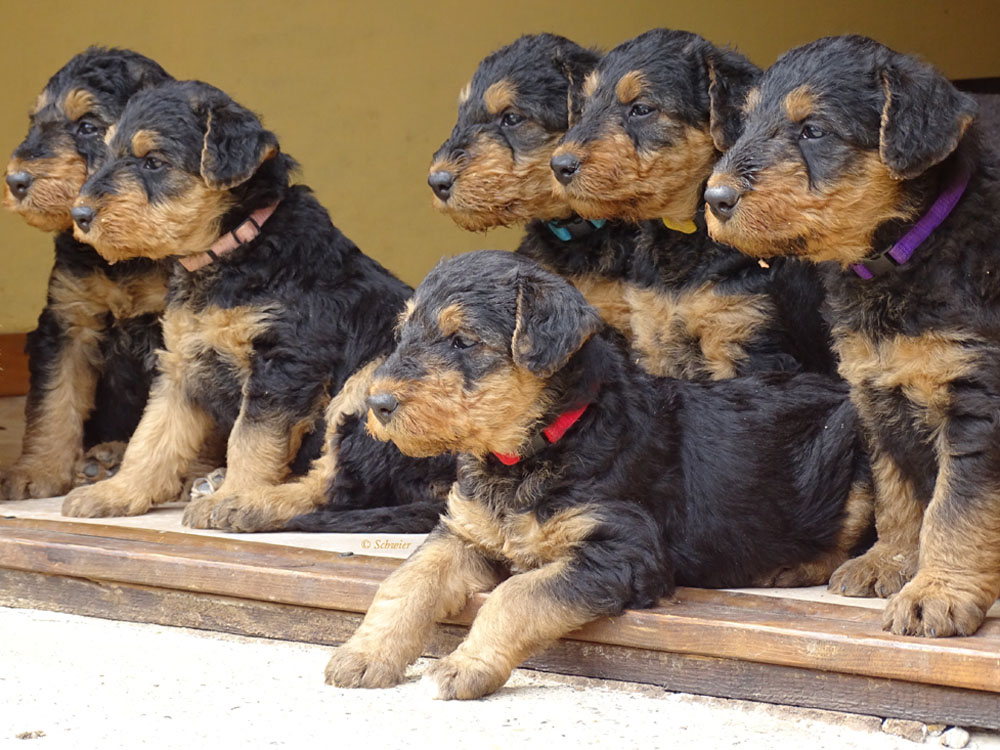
<point>494,168</point>
<point>585,485</point>
<point>656,113</point>
<point>869,159</point>
<point>270,307</point>
<point>92,355</point>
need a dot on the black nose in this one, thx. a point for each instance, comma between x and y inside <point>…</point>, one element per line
<point>441,183</point>
<point>83,216</point>
<point>383,405</point>
<point>722,199</point>
<point>565,167</point>
<point>19,182</point>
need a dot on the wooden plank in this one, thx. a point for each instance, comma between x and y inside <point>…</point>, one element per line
<point>724,678</point>
<point>728,625</point>
<point>13,365</point>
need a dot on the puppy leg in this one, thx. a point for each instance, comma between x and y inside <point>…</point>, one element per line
<point>892,560</point>
<point>99,463</point>
<point>433,584</point>
<point>169,435</point>
<point>522,616</point>
<point>63,384</point>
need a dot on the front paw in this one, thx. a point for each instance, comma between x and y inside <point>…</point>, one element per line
<point>351,666</point>
<point>108,498</point>
<point>17,483</point>
<point>462,677</point>
<point>242,513</point>
<point>208,485</point>
<point>99,463</point>
<point>198,513</point>
<point>929,607</point>
<point>881,571</point>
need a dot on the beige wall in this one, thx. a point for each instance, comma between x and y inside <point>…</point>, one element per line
<point>363,92</point>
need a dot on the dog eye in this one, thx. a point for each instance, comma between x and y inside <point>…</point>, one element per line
<point>640,110</point>
<point>152,163</point>
<point>86,128</point>
<point>510,119</point>
<point>811,132</point>
<point>461,342</point>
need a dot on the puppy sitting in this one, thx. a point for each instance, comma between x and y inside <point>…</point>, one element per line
<point>494,168</point>
<point>270,308</point>
<point>656,113</point>
<point>871,162</point>
<point>586,486</point>
<point>92,356</point>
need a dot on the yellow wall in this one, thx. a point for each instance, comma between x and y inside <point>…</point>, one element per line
<point>362,93</point>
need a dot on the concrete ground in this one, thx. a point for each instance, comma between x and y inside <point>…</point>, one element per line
<point>81,683</point>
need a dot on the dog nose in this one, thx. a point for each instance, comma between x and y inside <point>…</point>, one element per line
<point>441,183</point>
<point>565,167</point>
<point>83,216</point>
<point>383,405</point>
<point>722,200</point>
<point>19,182</point>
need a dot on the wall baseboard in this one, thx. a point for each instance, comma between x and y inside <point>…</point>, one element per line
<point>13,365</point>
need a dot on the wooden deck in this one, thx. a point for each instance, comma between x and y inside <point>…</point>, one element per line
<point>797,647</point>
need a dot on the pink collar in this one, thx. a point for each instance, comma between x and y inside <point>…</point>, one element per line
<point>552,434</point>
<point>241,235</point>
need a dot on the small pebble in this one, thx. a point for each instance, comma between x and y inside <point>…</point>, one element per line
<point>914,731</point>
<point>955,737</point>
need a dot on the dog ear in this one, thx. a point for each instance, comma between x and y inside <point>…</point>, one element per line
<point>730,76</point>
<point>923,117</point>
<point>236,144</point>
<point>553,322</point>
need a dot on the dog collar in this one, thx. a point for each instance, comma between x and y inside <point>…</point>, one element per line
<point>241,235</point>
<point>575,228</point>
<point>903,250</point>
<point>542,438</point>
<point>685,227</point>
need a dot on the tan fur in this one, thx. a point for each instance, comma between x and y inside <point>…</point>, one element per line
<point>44,99</point>
<point>499,96</point>
<point>695,332</point>
<point>77,103</point>
<point>519,537</point>
<point>129,226</point>
<point>591,82</point>
<point>439,414</point>
<point>83,301</point>
<point>494,187</point>
<point>109,135</point>
<point>450,320</point>
<point>433,584</point>
<point>617,181</point>
<point>752,100</point>
<point>799,103</point>
<point>465,93</point>
<point>785,215</point>
<point>57,181</point>
<point>608,296</point>
<point>630,86</point>
<point>405,314</point>
<point>143,141</point>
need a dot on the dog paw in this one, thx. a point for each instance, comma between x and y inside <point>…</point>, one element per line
<point>242,514</point>
<point>461,677</point>
<point>108,498</point>
<point>99,463</point>
<point>353,667</point>
<point>931,608</point>
<point>207,485</point>
<point>17,483</point>
<point>881,572</point>
<point>198,513</point>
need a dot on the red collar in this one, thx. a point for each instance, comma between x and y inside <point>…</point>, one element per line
<point>552,434</point>
<point>230,240</point>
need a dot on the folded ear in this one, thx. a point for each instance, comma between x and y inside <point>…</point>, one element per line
<point>731,77</point>
<point>236,144</point>
<point>553,322</point>
<point>923,117</point>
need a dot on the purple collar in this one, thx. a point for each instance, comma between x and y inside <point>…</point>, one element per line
<point>903,250</point>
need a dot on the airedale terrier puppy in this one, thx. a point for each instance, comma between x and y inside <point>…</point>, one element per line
<point>870,162</point>
<point>270,308</point>
<point>494,168</point>
<point>585,485</point>
<point>656,113</point>
<point>92,355</point>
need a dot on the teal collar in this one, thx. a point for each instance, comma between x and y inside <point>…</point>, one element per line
<point>574,228</point>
